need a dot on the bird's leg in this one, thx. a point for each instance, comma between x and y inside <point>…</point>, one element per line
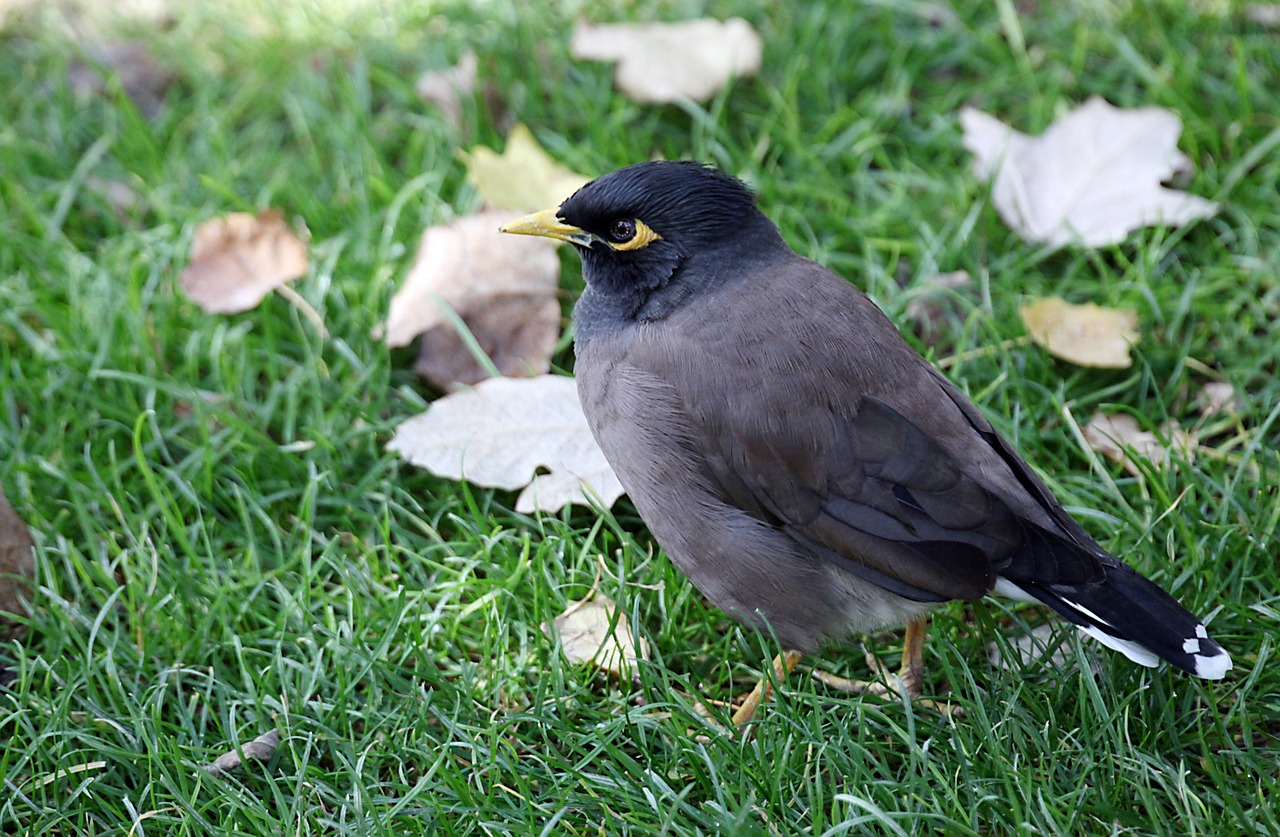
<point>909,680</point>
<point>911,672</point>
<point>782,666</point>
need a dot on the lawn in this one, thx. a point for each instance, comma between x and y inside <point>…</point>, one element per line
<point>225,547</point>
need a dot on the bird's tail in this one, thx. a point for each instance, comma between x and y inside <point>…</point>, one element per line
<point>1130,614</point>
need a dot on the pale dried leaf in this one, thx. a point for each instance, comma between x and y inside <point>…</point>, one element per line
<point>1120,438</point>
<point>666,62</point>
<point>502,286</point>
<point>936,14</point>
<point>238,259</point>
<point>523,178</point>
<point>17,567</point>
<point>1044,647</point>
<point>261,748</point>
<point>1030,648</point>
<point>1216,397</point>
<point>445,88</point>
<point>1092,178</point>
<point>1266,14</point>
<point>517,332</point>
<point>118,194</point>
<point>1086,335</point>
<point>142,77</point>
<point>594,631</point>
<point>501,432</point>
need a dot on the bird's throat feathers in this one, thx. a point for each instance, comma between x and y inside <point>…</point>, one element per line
<point>651,284</point>
<point>640,287</point>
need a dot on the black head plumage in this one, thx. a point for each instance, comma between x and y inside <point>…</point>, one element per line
<point>685,202</point>
<point>650,222</point>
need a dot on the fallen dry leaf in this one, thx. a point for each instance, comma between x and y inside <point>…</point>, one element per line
<point>238,259</point>
<point>261,748</point>
<point>660,63</point>
<point>523,178</point>
<point>1117,437</point>
<point>1092,178</point>
<point>1266,14</point>
<point>594,631</point>
<point>142,77</point>
<point>122,197</point>
<point>517,332</point>
<point>1086,335</point>
<point>445,88</point>
<point>1045,646</point>
<point>1217,396</point>
<point>17,567</point>
<point>502,432</point>
<point>502,286</point>
<point>1027,649</point>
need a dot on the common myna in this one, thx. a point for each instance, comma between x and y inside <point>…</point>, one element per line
<point>794,456</point>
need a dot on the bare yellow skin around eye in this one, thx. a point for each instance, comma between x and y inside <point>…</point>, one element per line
<point>643,238</point>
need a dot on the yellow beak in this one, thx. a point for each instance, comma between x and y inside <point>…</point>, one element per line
<point>548,225</point>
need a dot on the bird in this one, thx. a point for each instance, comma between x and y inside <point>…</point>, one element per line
<point>807,469</point>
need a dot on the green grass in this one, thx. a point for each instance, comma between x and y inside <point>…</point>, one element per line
<point>224,546</point>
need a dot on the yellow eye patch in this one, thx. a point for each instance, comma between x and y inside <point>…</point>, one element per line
<point>643,237</point>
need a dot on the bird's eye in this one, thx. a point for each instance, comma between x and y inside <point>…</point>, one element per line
<point>622,230</point>
<point>630,234</point>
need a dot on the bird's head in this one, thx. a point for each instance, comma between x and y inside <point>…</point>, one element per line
<point>638,227</point>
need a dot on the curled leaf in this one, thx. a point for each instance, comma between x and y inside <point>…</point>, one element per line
<point>1086,335</point>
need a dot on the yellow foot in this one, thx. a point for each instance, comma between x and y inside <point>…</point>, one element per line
<point>889,686</point>
<point>782,666</point>
<point>908,681</point>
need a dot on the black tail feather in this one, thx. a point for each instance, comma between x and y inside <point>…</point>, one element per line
<point>1130,610</point>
